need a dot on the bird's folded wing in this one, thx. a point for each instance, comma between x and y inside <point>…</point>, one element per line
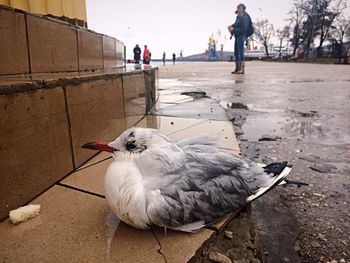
<point>208,187</point>
<point>203,139</point>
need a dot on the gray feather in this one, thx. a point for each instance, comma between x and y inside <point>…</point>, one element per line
<point>193,183</point>
<point>207,186</point>
<point>203,139</point>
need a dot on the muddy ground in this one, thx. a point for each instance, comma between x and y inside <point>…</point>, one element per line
<point>299,113</point>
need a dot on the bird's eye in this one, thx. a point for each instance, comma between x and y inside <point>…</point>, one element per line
<point>130,146</point>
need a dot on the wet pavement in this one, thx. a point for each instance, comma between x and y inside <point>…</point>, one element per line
<point>295,112</point>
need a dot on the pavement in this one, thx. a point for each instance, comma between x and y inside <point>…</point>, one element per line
<point>297,112</point>
<point>75,223</point>
<point>302,109</point>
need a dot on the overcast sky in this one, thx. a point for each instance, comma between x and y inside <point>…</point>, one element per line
<point>171,26</point>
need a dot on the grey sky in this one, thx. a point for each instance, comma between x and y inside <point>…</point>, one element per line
<point>170,26</point>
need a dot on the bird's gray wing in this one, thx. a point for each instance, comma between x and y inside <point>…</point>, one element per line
<point>210,185</point>
<point>203,139</point>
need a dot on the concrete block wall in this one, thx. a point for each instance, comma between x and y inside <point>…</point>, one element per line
<point>96,110</point>
<point>52,46</point>
<point>13,44</point>
<point>90,51</point>
<point>38,44</point>
<point>109,52</point>
<point>34,145</point>
<point>44,124</point>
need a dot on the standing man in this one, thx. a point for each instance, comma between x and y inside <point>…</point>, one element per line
<point>163,58</point>
<point>137,54</point>
<point>239,30</point>
<point>146,55</point>
<point>174,58</point>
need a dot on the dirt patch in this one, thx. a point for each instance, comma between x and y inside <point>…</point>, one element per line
<point>289,101</point>
<point>237,241</point>
<point>308,223</point>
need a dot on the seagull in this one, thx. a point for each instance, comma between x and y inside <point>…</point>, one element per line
<point>183,186</point>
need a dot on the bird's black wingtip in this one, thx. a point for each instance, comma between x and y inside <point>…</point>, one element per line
<point>275,168</point>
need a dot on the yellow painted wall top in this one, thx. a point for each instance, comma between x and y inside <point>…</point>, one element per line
<point>74,9</point>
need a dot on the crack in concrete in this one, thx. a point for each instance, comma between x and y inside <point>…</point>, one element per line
<point>80,190</point>
<point>97,162</point>
<point>159,250</point>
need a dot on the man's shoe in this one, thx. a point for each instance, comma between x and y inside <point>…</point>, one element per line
<point>237,69</point>
<point>242,68</point>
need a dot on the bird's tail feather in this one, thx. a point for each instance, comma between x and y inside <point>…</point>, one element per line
<point>275,168</point>
<point>191,227</point>
<point>279,171</point>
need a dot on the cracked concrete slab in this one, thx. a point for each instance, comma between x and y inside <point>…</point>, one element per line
<point>74,224</point>
<point>204,108</point>
<point>72,228</point>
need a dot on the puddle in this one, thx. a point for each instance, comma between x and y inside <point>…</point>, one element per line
<point>253,107</point>
<point>317,80</point>
<point>292,81</point>
<point>315,131</point>
<point>112,223</point>
<point>195,94</point>
<point>255,127</point>
<point>233,105</point>
<point>166,83</point>
<point>308,130</point>
<point>310,114</point>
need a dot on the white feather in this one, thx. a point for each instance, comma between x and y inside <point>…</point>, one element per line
<point>190,228</point>
<point>125,193</point>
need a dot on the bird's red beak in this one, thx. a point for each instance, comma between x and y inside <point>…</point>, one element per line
<point>99,146</point>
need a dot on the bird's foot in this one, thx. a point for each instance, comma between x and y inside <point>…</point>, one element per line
<point>213,228</point>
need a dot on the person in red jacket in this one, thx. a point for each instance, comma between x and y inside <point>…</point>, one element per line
<point>146,55</point>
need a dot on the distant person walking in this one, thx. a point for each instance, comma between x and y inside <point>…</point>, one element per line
<point>163,58</point>
<point>240,30</point>
<point>174,58</point>
<point>137,54</point>
<point>146,55</point>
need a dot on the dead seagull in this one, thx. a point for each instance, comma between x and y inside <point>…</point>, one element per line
<point>184,186</point>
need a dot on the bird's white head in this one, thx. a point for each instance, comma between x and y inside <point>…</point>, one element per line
<point>131,141</point>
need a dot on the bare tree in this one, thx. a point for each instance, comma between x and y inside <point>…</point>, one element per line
<point>338,33</point>
<point>282,34</point>
<point>297,17</point>
<point>263,31</point>
<point>311,10</point>
<point>321,15</point>
<point>327,16</point>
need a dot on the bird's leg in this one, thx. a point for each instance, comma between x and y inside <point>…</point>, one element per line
<point>165,230</point>
<point>213,228</point>
<point>298,183</point>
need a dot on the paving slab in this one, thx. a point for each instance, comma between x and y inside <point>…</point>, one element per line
<point>174,98</point>
<point>72,228</point>
<point>90,177</point>
<point>75,222</point>
<point>205,108</point>
<point>222,131</point>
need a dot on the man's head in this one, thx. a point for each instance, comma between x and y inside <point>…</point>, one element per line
<point>240,9</point>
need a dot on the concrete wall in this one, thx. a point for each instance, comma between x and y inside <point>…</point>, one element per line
<point>13,44</point>
<point>72,9</point>
<point>36,44</point>
<point>44,124</point>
